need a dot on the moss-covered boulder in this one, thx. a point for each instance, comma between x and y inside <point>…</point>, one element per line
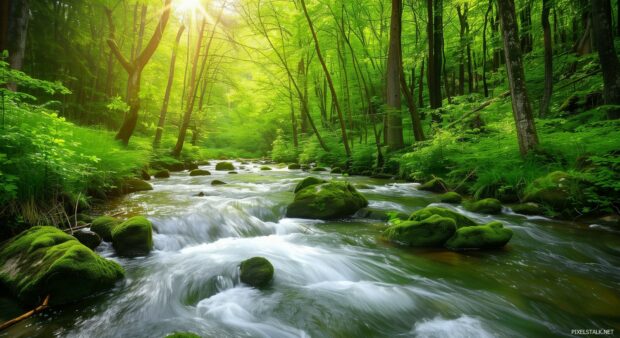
<point>256,271</point>
<point>144,174</point>
<point>44,261</point>
<point>265,168</point>
<point>308,181</point>
<point>485,206</point>
<point>336,171</point>
<point>168,163</point>
<point>131,185</point>
<point>89,238</point>
<point>224,166</point>
<point>554,190</point>
<point>199,172</point>
<point>528,209</point>
<point>435,185</point>
<point>430,232</point>
<point>305,167</point>
<point>460,220</point>
<point>326,201</point>
<point>294,166</point>
<point>191,166</point>
<point>232,173</point>
<point>381,215</point>
<point>103,226</point>
<point>134,237</point>
<point>489,236</point>
<point>164,173</point>
<point>183,335</point>
<point>318,169</point>
<point>217,182</point>
<point>451,197</point>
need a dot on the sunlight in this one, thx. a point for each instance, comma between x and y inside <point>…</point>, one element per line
<point>188,5</point>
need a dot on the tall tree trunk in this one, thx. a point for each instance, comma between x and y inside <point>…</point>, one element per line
<point>301,75</point>
<point>521,107</point>
<point>548,90</point>
<point>484,49</point>
<point>16,33</point>
<point>421,86</point>
<point>164,108</point>
<point>463,22</point>
<point>470,73</point>
<point>416,123</point>
<point>293,117</point>
<point>526,28</point>
<point>437,55</point>
<point>394,70</point>
<point>328,77</point>
<point>604,42</point>
<point>431,50</point>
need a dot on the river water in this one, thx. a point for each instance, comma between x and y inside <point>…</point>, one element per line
<point>337,278</point>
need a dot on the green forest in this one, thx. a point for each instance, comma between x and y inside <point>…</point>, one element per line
<point>309,168</point>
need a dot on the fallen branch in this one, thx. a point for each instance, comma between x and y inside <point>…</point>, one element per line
<point>482,106</point>
<point>30,313</point>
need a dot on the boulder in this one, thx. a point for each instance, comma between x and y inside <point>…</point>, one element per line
<point>256,271</point>
<point>308,181</point>
<point>336,171</point>
<point>169,164</point>
<point>430,232</point>
<point>451,197</point>
<point>528,209</point>
<point>326,201</point>
<point>265,168</point>
<point>381,215</point>
<point>217,182</point>
<point>485,206</point>
<point>434,185</point>
<point>191,165</point>
<point>199,172</point>
<point>130,185</point>
<point>553,190</point>
<point>224,166</point>
<point>318,169</point>
<point>294,166</point>
<point>44,260</point>
<point>103,226</point>
<point>232,173</point>
<point>134,237</point>
<point>89,238</point>
<point>144,174</point>
<point>489,236</point>
<point>164,173</point>
<point>460,220</point>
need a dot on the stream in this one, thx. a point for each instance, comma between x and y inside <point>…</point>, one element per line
<point>337,278</point>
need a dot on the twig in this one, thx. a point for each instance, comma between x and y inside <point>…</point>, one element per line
<point>34,311</point>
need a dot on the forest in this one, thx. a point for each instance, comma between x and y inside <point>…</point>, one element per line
<point>299,168</point>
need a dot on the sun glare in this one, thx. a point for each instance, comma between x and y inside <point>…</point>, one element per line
<point>188,5</point>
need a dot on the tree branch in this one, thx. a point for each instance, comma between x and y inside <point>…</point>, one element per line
<point>146,54</point>
<point>114,46</point>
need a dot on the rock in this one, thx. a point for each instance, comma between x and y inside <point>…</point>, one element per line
<point>169,164</point>
<point>265,168</point>
<point>318,169</point>
<point>144,174</point>
<point>294,166</point>
<point>131,185</point>
<point>489,236</point>
<point>199,172</point>
<point>553,190</point>
<point>164,173</point>
<point>232,173</point>
<point>200,194</point>
<point>434,185</point>
<point>430,232</point>
<point>183,335</point>
<point>305,167</point>
<point>256,271</point>
<point>485,206</point>
<point>326,201</point>
<point>527,209</point>
<point>103,226</point>
<point>224,166</point>
<point>44,260</point>
<point>134,237</point>
<point>191,166</point>
<point>381,215</point>
<point>363,186</point>
<point>308,181</point>
<point>89,238</point>
<point>336,171</point>
<point>217,182</point>
<point>460,220</point>
<point>204,162</point>
<point>451,197</point>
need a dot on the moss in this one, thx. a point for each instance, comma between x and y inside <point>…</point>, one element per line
<point>256,271</point>
<point>168,163</point>
<point>435,185</point>
<point>326,201</point>
<point>528,209</point>
<point>199,172</point>
<point>217,182</point>
<point>451,197</point>
<point>489,236</point>
<point>318,169</point>
<point>130,185</point>
<point>363,186</point>
<point>191,165</point>
<point>164,173</point>
<point>336,171</point>
<point>224,166</point>
<point>460,220</point>
<point>182,335</point>
<point>485,206</point>
<point>308,181</point>
<point>433,231</point>
<point>265,168</point>
<point>89,238</point>
<point>553,190</point>
<point>103,226</point>
<point>294,166</point>
<point>134,237</point>
<point>381,215</point>
<point>44,260</point>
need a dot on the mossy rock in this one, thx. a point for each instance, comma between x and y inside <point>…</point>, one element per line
<point>553,190</point>
<point>199,172</point>
<point>131,185</point>
<point>430,232</point>
<point>256,271</point>
<point>305,167</point>
<point>164,173</point>
<point>44,260</point>
<point>528,209</point>
<point>217,182</point>
<point>144,174</point>
<point>103,226</point>
<point>134,237</point>
<point>294,166</point>
<point>435,185</point>
<point>451,197</point>
<point>232,173</point>
<point>169,164</point>
<point>490,206</point>
<point>318,169</point>
<point>308,181</point>
<point>336,171</point>
<point>89,238</point>
<point>265,168</point>
<point>326,201</point>
<point>224,166</point>
<point>460,220</point>
<point>489,236</point>
<point>363,186</point>
<point>182,335</point>
<point>191,166</point>
<point>381,215</point>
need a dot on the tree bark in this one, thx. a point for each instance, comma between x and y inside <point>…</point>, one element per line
<point>484,49</point>
<point>435,58</point>
<point>548,56</point>
<point>604,42</point>
<point>393,85</point>
<point>421,86</point>
<point>17,31</point>
<point>463,24</point>
<point>521,107</point>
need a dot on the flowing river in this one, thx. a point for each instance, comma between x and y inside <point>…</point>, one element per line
<point>337,278</point>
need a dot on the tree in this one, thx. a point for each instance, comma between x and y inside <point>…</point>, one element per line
<point>548,89</point>
<point>521,107</point>
<point>395,120</point>
<point>604,42</point>
<point>435,43</point>
<point>15,17</point>
<point>134,69</point>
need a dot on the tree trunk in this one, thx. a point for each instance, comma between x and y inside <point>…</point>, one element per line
<point>437,44</point>
<point>164,107</point>
<point>16,33</point>
<point>301,75</point>
<point>604,42</point>
<point>394,73</point>
<point>470,73</point>
<point>521,107</point>
<point>526,28</point>
<point>548,89</point>
<point>463,22</point>
<point>421,86</point>
<point>484,49</point>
